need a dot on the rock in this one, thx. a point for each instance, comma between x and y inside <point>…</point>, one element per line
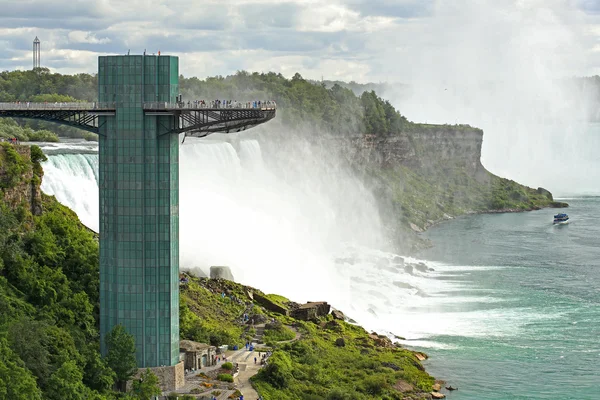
<point>545,193</point>
<point>250,295</point>
<point>437,395</point>
<point>340,342</point>
<point>436,387</point>
<point>403,285</point>
<point>311,310</point>
<point>415,228</point>
<point>402,386</point>
<point>451,388</point>
<point>258,319</point>
<point>421,357</point>
<point>221,272</point>
<point>337,314</point>
<point>270,304</point>
<point>398,260</point>
<point>391,365</point>
<point>409,269</point>
<point>333,326</point>
<point>421,267</point>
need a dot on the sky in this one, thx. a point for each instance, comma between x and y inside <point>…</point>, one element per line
<point>360,40</point>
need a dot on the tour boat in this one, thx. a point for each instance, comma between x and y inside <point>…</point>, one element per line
<point>561,218</point>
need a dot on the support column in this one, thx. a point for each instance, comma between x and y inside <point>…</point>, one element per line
<point>139,207</point>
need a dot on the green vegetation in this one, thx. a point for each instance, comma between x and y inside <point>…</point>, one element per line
<point>147,387</point>
<point>277,332</point>
<point>330,360</point>
<point>49,340</point>
<point>120,355</point>
<point>227,366</point>
<point>10,129</point>
<point>225,377</point>
<point>315,367</point>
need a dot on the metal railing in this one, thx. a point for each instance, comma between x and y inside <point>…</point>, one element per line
<point>26,105</point>
<point>212,105</point>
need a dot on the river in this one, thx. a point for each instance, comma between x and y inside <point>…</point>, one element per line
<point>534,292</point>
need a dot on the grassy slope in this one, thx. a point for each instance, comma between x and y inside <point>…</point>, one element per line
<point>312,367</point>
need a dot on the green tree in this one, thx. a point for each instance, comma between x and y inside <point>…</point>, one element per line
<point>120,356</point>
<point>16,381</point>
<point>66,383</point>
<point>146,387</point>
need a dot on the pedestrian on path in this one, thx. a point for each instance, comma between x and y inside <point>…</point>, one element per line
<point>254,360</point>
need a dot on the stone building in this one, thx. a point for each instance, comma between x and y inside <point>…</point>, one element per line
<point>311,310</point>
<point>197,355</point>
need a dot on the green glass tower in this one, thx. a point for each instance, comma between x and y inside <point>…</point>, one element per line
<point>139,206</point>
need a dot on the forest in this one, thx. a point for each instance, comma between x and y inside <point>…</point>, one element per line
<point>329,107</point>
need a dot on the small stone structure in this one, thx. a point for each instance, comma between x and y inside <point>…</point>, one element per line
<point>197,355</point>
<point>169,378</point>
<point>311,310</point>
<point>221,272</point>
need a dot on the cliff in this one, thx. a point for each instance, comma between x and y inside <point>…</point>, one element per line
<point>20,177</point>
<point>430,173</point>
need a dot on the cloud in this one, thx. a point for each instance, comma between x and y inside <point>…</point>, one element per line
<point>86,37</point>
<point>397,40</point>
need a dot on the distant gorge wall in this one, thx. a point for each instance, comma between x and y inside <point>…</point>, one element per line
<point>421,149</point>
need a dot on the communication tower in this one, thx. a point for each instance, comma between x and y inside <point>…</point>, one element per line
<point>36,53</point>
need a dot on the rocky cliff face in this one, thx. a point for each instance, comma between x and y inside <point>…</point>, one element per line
<point>426,148</point>
<point>19,180</point>
<point>432,173</point>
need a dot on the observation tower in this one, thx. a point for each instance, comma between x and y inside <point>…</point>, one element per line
<point>138,120</point>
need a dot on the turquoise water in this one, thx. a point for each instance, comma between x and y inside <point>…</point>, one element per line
<point>536,288</point>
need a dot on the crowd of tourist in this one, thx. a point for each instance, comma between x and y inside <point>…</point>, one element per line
<point>12,140</point>
<point>227,104</point>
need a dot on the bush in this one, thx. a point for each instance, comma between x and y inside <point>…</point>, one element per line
<point>228,366</point>
<point>225,378</point>
<point>279,370</point>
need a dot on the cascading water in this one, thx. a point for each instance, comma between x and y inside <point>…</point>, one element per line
<point>73,179</point>
<point>303,227</point>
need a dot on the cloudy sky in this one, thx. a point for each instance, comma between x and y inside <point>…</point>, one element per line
<point>362,40</point>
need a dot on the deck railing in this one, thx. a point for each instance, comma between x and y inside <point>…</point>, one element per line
<point>24,105</point>
<point>268,105</point>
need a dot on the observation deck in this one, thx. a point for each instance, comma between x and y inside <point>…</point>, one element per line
<point>193,119</point>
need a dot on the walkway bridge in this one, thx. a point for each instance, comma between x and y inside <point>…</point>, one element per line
<point>193,120</point>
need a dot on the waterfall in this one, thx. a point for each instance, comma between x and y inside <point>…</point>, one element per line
<point>270,228</point>
<point>297,224</point>
<point>73,179</point>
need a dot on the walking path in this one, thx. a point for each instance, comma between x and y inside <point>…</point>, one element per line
<point>247,366</point>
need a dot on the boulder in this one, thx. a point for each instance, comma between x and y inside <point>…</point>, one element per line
<point>437,395</point>
<point>436,387</point>
<point>270,304</point>
<point>332,326</point>
<point>402,386</point>
<point>221,272</point>
<point>337,314</point>
<point>340,342</point>
<point>398,260</point>
<point>415,228</point>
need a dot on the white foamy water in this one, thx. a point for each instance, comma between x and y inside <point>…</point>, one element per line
<point>73,179</point>
<point>302,234</point>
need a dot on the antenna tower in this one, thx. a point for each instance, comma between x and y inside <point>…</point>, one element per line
<point>36,53</point>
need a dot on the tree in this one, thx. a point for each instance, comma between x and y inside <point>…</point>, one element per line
<point>120,356</point>
<point>16,381</point>
<point>66,384</point>
<point>146,387</point>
